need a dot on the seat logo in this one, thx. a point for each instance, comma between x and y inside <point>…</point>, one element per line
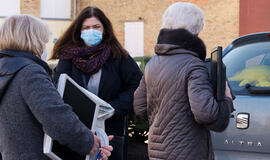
<point>242,120</point>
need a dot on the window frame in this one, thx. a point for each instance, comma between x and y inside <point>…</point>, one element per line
<point>55,16</point>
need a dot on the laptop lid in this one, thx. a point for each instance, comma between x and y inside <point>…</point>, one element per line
<point>83,105</point>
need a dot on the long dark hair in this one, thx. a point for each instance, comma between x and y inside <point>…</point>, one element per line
<point>71,37</point>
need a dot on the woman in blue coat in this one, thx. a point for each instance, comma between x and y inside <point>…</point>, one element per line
<point>91,55</point>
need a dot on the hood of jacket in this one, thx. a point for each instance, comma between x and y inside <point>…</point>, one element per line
<point>13,61</point>
<point>179,41</point>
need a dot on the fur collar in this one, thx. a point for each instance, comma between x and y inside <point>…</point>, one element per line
<point>179,41</point>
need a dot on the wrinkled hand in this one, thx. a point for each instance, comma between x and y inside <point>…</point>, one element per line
<point>228,91</point>
<point>96,143</point>
<point>105,151</point>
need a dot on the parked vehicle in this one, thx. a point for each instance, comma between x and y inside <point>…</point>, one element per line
<point>247,61</point>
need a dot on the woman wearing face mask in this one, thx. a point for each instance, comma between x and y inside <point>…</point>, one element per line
<point>29,102</point>
<point>90,54</point>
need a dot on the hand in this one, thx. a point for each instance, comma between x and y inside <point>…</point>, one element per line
<point>228,91</point>
<point>96,143</point>
<point>105,151</point>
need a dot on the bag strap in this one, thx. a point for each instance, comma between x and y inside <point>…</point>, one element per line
<point>125,125</point>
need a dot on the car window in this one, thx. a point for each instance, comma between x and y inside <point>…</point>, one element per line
<point>248,65</point>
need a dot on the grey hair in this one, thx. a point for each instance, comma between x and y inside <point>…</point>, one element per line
<point>24,33</point>
<point>183,15</point>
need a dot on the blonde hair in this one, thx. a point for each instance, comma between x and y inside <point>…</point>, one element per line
<point>24,33</point>
<point>183,15</point>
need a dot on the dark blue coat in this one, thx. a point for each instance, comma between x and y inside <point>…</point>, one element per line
<point>30,105</point>
<point>119,79</point>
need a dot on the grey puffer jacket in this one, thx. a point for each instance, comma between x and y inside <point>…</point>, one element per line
<point>176,97</point>
<point>29,106</point>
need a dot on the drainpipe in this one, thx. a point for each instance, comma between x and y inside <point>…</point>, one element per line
<point>74,8</point>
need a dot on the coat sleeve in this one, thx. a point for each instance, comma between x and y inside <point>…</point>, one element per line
<point>222,121</point>
<point>63,66</point>
<point>203,105</point>
<point>131,76</point>
<point>56,117</point>
<point>140,101</point>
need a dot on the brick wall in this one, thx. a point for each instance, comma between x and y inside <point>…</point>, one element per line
<point>221,27</point>
<point>33,7</point>
<point>222,22</point>
<point>30,7</point>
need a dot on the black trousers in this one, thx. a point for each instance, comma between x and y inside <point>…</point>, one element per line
<point>120,146</point>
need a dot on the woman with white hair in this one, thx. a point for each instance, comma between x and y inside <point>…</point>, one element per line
<point>175,93</point>
<point>29,102</point>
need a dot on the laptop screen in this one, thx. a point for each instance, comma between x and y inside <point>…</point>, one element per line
<point>84,108</point>
<point>81,104</point>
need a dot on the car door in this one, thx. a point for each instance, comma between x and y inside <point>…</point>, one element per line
<point>248,70</point>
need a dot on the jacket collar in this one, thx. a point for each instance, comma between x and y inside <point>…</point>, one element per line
<point>29,56</point>
<point>179,41</point>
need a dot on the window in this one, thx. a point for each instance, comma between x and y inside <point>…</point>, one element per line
<point>248,65</point>
<point>55,9</point>
<point>134,38</point>
<point>10,7</point>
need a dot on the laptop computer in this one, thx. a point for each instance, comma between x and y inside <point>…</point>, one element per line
<point>91,110</point>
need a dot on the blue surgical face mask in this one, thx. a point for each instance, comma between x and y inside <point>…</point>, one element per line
<point>44,55</point>
<point>91,37</point>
